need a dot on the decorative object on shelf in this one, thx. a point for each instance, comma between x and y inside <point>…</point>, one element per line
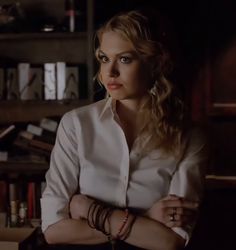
<point>70,15</point>
<point>72,83</point>
<point>11,17</point>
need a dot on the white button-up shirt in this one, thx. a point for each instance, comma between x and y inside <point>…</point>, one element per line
<point>91,157</point>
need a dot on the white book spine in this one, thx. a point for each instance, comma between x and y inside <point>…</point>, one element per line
<point>34,129</point>
<point>61,80</point>
<point>49,81</point>
<point>24,80</point>
<point>48,124</point>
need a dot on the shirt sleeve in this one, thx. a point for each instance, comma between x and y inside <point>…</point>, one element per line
<point>189,178</point>
<point>62,176</point>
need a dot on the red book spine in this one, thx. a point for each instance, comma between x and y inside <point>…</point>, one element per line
<point>31,200</point>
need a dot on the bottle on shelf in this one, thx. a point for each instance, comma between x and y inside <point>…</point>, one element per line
<point>70,15</point>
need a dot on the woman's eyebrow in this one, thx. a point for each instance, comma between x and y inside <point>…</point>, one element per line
<point>100,52</point>
<point>132,52</point>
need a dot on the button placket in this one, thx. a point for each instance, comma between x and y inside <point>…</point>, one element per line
<point>124,168</point>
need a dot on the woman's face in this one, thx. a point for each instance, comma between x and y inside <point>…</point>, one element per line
<point>122,71</point>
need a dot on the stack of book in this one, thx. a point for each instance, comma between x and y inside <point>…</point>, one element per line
<point>28,143</point>
<point>20,194</point>
<point>38,139</point>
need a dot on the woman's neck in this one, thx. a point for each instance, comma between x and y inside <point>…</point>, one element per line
<point>131,107</point>
<point>128,112</point>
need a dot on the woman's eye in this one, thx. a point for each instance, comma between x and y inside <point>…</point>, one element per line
<point>125,59</point>
<point>103,59</point>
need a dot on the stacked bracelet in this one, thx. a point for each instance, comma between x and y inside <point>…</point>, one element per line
<point>99,216</point>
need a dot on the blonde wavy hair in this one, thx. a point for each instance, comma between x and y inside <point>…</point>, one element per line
<point>162,116</point>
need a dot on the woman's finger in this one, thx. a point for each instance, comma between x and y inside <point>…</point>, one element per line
<point>180,203</point>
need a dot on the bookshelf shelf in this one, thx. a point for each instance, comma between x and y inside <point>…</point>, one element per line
<point>25,111</point>
<point>42,35</point>
<point>23,167</point>
<point>220,182</point>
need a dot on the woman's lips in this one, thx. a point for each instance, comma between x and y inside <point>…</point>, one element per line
<point>114,86</point>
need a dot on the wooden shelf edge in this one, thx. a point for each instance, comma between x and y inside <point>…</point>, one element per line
<point>23,167</point>
<point>42,35</point>
<point>29,111</point>
<point>220,181</point>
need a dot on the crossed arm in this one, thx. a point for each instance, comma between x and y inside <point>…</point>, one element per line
<point>150,231</point>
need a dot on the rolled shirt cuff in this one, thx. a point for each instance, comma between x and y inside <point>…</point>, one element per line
<point>53,210</point>
<point>183,233</point>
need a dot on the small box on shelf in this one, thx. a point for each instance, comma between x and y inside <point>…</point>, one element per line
<point>17,238</point>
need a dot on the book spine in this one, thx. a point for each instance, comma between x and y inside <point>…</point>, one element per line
<point>50,81</point>
<point>26,92</point>
<point>42,145</point>
<point>61,79</point>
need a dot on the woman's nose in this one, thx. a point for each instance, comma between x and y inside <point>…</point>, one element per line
<point>113,70</point>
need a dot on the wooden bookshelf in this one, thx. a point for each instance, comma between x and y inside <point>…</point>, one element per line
<point>25,111</point>
<point>23,167</point>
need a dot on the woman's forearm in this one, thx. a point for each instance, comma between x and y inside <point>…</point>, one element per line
<point>145,233</point>
<point>148,234</point>
<point>71,231</point>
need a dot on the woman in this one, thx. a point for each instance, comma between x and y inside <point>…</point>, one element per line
<point>127,168</point>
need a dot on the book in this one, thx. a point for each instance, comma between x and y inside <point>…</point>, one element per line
<point>49,124</point>
<point>31,200</point>
<point>5,131</point>
<point>25,89</point>
<point>29,136</point>
<point>41,145</point>
<point>39,133</point>
<point>30,81</point>
<point>13,92</point>
<point>25,144</point>
<point>37,82</point>
<point>3,155</point>
<point>13,203</point>
<point>61,80</point>
<point>3,196</point>
<point>2,85</point>
<point>49,81</point>
<point>36,130</point>
<point>7,136</point>
<point>72,83</point>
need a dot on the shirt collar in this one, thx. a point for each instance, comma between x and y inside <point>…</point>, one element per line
<point>109,107</point>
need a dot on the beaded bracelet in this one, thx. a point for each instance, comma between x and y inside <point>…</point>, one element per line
<point>123,224</point>
<point>127,232</point>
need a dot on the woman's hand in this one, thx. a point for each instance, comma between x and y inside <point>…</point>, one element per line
<point>173,211</point>
<point>79,206</point>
